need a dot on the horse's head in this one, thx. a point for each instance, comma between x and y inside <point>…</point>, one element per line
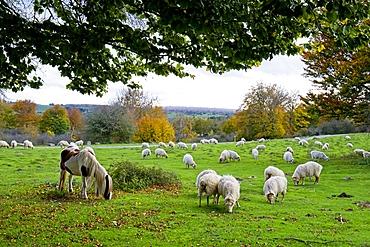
<point>108,187</point>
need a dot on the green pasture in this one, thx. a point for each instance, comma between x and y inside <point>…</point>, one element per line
<point>33,213</point>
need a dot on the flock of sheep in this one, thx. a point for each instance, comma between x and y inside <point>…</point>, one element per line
<point>14,144</point>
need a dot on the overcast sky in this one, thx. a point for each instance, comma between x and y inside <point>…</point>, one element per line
<point>206,90</point>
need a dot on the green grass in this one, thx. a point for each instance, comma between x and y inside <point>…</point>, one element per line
<point>34,213</point>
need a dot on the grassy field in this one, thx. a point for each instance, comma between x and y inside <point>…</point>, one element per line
<point>32,213</point>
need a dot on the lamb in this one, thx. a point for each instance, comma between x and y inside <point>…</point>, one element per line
<point>239,143</point>
<point>348,137</point>
<point>201,174</point>
<point>359,151</point>
<point>208,184</point>
<point>229,188</point>
<point>318,155</point>
<point>63,144</point>
<point>28,144</point>
<point>4,144</point>
<point>202,141</point>
<point>289,149</point>
<point>255,153</point>
<point>162,144</point>
<point>213,141</point>
<point>161,153</point>
<point>261,147</point>
<point>224,157</point>
<point>273,186</point>
<point>182,145</point>
<point>325,146</point>
<point>349,145</point>
<point>79,143</point>
<point>13,143</point>
<point>171,144</point>
<point>309,169</point>
<point>146,153</point>
<point>194,146</point>
<point>145,145</point>
<point>189,161</point>
<point>303,142</point>
<point>272,171</point>
<point>366,154</point>
<point>234,155</point>
<point>318,143</point>
<point>288,157</point>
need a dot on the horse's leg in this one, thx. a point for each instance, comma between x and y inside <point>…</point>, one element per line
<point>84,188</point>
<point>70,181</point>
<point>62,179</point>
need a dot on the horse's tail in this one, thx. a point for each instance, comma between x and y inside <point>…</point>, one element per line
<point>62,179</point>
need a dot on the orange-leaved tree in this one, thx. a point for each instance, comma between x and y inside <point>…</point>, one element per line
<point>25,113</point>
<point>55,121</point>
<point>77,122</point>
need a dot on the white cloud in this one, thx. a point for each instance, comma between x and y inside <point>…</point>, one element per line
<point>206,90</point>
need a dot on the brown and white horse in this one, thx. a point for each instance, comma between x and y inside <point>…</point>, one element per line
<point>84,163</point>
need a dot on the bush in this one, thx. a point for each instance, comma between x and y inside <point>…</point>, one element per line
<point>337,127</point>
<point>129,176</point>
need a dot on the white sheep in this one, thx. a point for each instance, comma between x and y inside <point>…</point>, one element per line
<point>297,138</point>
<point>303,142</point>
<point>318,155</point>
<point>63,144</point>
<point>201,174</point>
<point>261,147</point>
<point>13,143</point>
<point>261,140</point>
<point>145,145</point>
<point>358,151</point>
<point>189,161</point>
<point>273,186</point>
<point>79,143</point>
<point>194,146</point>
<point>224,157</point>
<point>162,144</point>
<point>171,144</point>
<point>4,144</point>
<point>28,144</point>
<point>255,153</point>
<point>213,141</point>
<point>182,145</point>
<point>309,169</point>
<point>348,137</point>
<point>243,139</point>
<point>272,171</point>
<point>289,149</point>
<point>229,188</point>
<point>202,141</point>
<point>234,155</point>
<point>349,145</point>
<point>288,157</point>
<point>146,153</point>
<point>160,152</point>
<point>239,143</point>
<point>325,147</point>
<point>318,143</point>
<point>208,184</point>
<point>366,154</point>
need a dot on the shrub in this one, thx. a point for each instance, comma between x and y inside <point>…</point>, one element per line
<point>129,176</point>
<point>337,127</point>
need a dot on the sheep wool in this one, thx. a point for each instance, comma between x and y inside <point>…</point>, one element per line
<point>189,161</point>
<point>4,144</point>
<point>273,186</point>
<point>272,171</point>
<point>201,174</point>
<point>309,169</point>
<point>146,153</point>
<point>229,188</point>
<point>208,184</point>
<point>161,153</point>
<point>318,155</point>
<point>288,157</point>
<point>255,153</point>
<point>234,155</point>
<point>224,157</point>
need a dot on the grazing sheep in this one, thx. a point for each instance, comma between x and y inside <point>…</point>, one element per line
<point>288,157</point>
<point>225,156</point>
<point>325,147</point>
<point>272,171</point>
<point>171,144</point>
<point>348,137</point>
<point>255,153</point>
<point>63,144</point>
<point>202,141</point>
<point>79,143</point>
<point>318,143</point>
<point>213,141</point>
<point>145,145</point>
<point>349,145</point>
<point>4,144</point>
<point>273,186</point>
<point>261,147</point>
<point>261,140</point>
<point>189,161</point>
<point>28,144</point>
<point>318,155</point>
<point>297,138</point>
<point>234,155</point>
<point>208,184</point>
<point>194,146</point>
<point>13,143</point>
<point>146,153</point>
<point>303,142</point>
<point>358,151</point>
<point>162,144</point>
<point>289,149</point>
<point>243,139</point>
<point>239,143</point>
<point>201,174</point>
<point>229,188</point>
<point>161,153</point>
<point>182,145</point>
<point>366,154</point>
<point>309,169</point>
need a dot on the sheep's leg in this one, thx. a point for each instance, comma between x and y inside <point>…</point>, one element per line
<point>207,200</point>
<point>215,199</point>
<point>303,181</point>
<point>282,196</point>
<point>237,203</point>
<point>218,199</point>
<point>200,199</point>
<point>317,180</point>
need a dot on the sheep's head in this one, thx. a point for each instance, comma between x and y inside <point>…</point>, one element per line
<point>229,202</point>
<point>295,180</point>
